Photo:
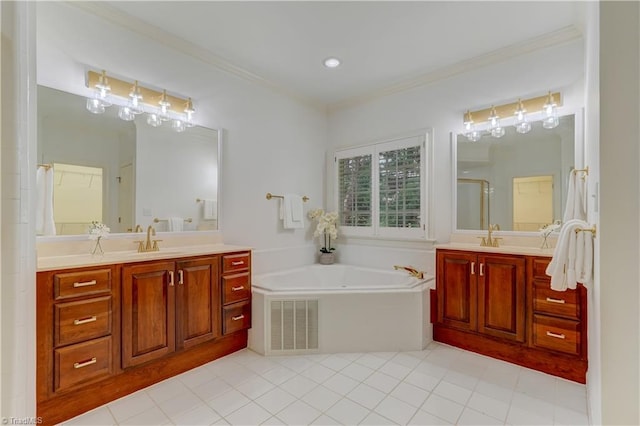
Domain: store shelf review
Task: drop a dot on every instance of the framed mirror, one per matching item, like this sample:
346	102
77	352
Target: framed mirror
125	174
518	181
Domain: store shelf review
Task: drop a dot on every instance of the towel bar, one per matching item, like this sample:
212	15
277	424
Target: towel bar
270	196
592	230
156	220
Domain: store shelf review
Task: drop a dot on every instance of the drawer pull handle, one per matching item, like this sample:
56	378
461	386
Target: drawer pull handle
553	300
85	320
556	335
240	287
238	318
85	363
238	263
85	283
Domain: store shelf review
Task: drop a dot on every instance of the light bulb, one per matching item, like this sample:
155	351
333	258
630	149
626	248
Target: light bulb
551	113
523	125
188	114
496	130
102	89
95	105
126	114
474	136
135	99
154	120
178	125
164	106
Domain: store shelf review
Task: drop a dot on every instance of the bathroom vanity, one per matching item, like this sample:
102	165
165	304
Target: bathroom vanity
111	325
499	303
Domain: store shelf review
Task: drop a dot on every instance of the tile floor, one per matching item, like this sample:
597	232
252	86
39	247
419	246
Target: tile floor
438	386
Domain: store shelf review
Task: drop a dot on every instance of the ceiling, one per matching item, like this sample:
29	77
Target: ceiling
382	45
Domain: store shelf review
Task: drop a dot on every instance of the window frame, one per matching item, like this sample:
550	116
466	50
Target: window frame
421	139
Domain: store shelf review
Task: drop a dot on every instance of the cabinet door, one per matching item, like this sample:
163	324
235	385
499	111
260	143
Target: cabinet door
198	296
456	289
501	296
148	312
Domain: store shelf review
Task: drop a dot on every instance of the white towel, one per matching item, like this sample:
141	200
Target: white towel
292	211
209	209
45	224
175	224
572	258
575	209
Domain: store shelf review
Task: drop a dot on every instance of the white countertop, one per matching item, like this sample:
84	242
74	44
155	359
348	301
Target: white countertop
526	250
52	263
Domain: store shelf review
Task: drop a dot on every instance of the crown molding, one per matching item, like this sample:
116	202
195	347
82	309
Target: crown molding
554	38
133	24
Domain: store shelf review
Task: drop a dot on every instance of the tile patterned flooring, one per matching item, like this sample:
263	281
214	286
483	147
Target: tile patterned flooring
440	385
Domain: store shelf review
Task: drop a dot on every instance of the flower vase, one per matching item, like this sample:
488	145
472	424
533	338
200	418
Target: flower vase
327	258
545	242
97	249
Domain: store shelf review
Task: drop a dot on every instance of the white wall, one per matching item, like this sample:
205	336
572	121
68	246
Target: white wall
619	211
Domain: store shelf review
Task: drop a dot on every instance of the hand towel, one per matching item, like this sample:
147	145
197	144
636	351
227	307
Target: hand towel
45	224
209	209
292	211
574	208
175	224
562	268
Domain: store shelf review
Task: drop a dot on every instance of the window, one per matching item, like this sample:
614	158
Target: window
380	189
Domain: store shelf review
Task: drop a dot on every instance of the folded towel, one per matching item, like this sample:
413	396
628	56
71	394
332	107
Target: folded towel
292	211
574	208
175	224
209	209
45	224
570	262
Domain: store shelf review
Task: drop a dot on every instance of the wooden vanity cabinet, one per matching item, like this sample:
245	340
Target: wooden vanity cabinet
236	292
501	305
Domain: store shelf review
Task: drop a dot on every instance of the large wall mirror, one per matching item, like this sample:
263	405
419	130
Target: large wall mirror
518	181
123	173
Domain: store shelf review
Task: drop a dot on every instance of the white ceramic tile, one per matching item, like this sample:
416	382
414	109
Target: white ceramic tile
211	389
235	376
351	356
250	414
453	392
341	384
571	395
244	356
179	404
152	417
261	365
428	367
279	375
506	379
335	362
197	376
298	385
130	405
536	384
275	400
424	418
221	365
99	416
564	416
325	420
472	417
384	355
518	416
534	405
228	402
382	382
316	357
165	390
395	370
489	406
371	361
410	394
298	413
297	364
318	373
321	398
443	408
347	412
495	391
273	421
200	415
255	387
422	380
366	395
376	419
220	422
406	360
463	380
396	410
357	371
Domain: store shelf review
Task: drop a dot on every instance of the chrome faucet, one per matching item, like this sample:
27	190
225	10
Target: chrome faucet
490	241
412	271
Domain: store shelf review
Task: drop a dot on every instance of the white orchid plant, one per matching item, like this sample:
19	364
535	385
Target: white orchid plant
326	228
98	230
548	229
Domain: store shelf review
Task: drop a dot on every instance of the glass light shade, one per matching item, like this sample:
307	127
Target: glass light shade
474	136
523	127
95	106
164	107
135	99
497	132
178	125
126	114
154	120
550	122
188	114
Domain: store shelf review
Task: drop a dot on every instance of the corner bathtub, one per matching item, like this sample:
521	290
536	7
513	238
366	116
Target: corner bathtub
339	308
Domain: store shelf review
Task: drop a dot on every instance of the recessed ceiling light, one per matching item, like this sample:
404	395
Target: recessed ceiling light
331	62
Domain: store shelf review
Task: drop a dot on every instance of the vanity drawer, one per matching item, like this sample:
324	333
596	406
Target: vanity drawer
561	303
556	334
235	262
539	268
73	284
236	288
82	362
81	320
236	317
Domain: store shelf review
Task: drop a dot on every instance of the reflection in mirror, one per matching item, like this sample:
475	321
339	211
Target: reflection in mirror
518	181
121	173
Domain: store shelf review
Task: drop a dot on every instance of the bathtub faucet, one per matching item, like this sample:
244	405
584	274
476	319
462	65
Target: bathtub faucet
412	271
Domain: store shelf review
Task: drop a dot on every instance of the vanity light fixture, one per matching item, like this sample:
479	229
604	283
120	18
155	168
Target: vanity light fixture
331	62
134	99
521	114
523	126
